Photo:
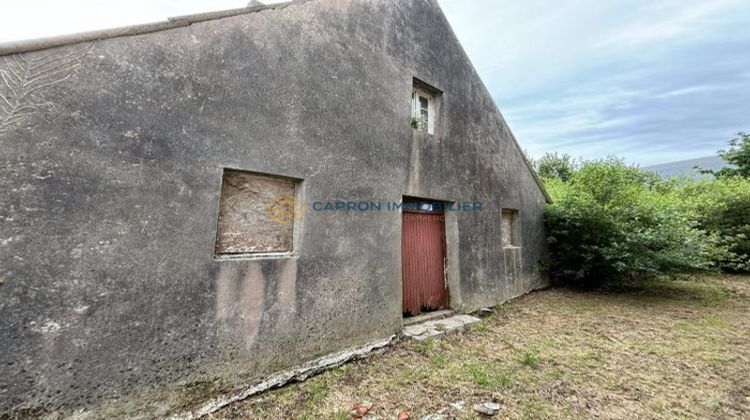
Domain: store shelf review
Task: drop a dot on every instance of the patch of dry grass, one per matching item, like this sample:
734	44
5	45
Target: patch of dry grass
669	348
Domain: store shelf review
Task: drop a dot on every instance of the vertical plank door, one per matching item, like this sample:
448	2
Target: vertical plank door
423	260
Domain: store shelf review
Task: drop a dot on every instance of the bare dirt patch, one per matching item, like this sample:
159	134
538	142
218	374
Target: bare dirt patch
667	348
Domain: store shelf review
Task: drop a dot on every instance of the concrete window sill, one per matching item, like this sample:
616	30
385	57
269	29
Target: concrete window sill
258	256
419	134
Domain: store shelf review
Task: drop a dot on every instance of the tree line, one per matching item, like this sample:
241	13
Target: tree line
611	221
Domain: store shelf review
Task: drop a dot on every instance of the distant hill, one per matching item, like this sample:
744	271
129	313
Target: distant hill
671	169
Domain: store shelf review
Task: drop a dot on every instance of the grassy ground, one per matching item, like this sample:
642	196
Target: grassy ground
665	349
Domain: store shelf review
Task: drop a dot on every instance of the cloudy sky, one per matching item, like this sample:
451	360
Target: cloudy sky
651	81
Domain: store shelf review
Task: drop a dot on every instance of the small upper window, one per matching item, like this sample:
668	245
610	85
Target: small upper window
422	111
426	107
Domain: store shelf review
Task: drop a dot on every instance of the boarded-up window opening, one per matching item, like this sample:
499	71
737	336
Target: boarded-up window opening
510	228
247	224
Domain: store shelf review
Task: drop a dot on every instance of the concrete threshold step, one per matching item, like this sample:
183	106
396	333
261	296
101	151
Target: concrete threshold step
438	327
428	316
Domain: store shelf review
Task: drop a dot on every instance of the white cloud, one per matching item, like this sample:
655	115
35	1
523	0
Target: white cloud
651	81
688	91
659	21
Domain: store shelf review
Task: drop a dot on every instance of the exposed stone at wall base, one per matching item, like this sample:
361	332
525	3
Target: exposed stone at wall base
296	374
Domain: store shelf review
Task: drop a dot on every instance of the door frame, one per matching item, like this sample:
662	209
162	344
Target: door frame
408	200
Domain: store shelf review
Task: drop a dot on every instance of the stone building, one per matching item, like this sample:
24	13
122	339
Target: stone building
193	205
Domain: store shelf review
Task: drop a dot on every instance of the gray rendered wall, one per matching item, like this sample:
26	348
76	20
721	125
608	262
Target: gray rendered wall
111	300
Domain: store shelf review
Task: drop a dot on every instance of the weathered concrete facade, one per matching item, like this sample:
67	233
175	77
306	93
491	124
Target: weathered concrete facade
111	299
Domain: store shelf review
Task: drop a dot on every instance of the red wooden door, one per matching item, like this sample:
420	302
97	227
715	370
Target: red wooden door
423	262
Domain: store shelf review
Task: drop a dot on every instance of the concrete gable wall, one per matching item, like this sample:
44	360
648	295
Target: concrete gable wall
111	300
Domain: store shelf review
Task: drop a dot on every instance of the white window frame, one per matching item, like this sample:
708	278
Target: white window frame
416	109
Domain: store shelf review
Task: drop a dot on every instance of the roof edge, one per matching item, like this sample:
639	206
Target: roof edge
28	45
526	160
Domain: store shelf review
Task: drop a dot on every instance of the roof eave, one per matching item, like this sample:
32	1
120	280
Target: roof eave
22	46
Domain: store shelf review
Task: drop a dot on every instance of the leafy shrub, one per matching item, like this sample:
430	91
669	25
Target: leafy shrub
738	156
554	166
722	209
610	220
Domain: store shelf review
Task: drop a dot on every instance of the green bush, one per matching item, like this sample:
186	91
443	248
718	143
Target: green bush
610	221
737	156
722	209
554	166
